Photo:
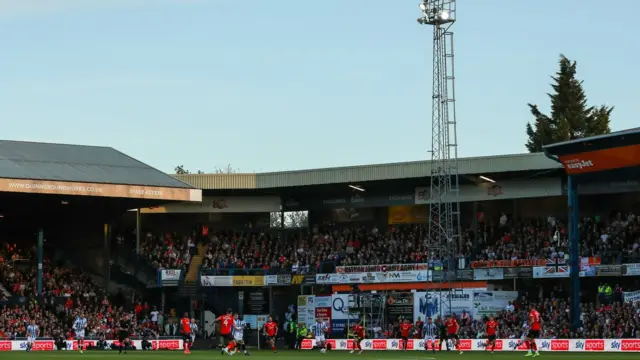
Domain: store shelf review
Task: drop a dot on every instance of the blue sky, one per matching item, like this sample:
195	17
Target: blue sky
282	84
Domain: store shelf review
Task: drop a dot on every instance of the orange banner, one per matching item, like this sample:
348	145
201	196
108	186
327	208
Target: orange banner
101	190
508	263
599	160
408	214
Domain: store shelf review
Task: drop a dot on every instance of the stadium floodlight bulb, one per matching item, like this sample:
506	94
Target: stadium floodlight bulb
423	7
444	15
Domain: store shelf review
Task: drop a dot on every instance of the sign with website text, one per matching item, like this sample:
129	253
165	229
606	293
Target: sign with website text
247	280
222	204
376	277
631	269
500	190
477	303
546	345
599	160
170	274
278	280
100	190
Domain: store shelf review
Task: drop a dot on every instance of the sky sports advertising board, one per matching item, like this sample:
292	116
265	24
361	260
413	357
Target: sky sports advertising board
49	345
553	345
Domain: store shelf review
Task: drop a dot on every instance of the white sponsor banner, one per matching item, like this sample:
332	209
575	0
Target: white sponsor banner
488	274
48	345
222	204
631	269
546	345
211	280
500	190
376	277
323	301
476	302
170	274
631	296
307	309
550	272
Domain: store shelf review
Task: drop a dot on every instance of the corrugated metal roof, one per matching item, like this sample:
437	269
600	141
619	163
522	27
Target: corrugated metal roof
219	181
78	163
357	174
415	169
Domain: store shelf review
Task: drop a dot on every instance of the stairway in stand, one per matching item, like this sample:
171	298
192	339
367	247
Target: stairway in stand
4	291
194	266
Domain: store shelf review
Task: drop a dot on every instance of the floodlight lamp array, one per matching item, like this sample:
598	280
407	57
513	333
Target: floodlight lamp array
433	15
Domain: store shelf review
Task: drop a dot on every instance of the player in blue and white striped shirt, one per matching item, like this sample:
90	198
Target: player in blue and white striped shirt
33	331
79	326
525	329
430	331
319	330
194	330
238	333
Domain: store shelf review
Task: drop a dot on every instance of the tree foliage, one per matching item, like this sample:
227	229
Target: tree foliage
571	117
292	219
181	170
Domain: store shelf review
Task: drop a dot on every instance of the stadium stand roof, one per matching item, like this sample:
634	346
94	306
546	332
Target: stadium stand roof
363	173
78	163
599	142
616	154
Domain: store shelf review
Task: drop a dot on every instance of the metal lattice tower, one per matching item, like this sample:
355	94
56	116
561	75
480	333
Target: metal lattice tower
444	205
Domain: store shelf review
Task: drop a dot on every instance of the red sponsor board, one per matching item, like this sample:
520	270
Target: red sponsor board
307	344
559	345
594	345
331	343
379	344
351	344
324	313
523	346
465	345
630	345
87	343
42	346
166	345
5	345
499	345
409	344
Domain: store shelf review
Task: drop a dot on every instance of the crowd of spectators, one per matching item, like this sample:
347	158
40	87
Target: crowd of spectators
66	293
501	239
168	250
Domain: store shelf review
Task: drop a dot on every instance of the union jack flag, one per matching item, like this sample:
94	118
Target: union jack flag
556	266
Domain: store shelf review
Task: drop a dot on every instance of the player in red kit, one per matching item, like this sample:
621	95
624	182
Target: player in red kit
185	330
534	332
226	328
405	331
271	330
491	327
358	336
452	331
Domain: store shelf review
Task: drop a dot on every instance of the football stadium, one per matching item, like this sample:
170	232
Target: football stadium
515	255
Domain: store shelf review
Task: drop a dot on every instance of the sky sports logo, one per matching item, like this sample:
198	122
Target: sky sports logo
577	164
